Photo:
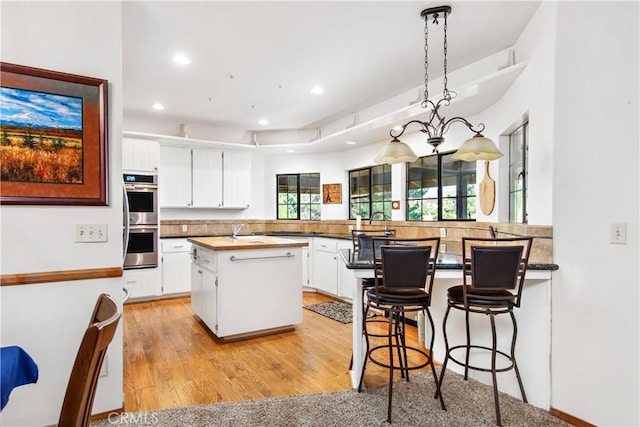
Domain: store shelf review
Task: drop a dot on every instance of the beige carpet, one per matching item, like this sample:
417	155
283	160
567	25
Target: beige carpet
469	403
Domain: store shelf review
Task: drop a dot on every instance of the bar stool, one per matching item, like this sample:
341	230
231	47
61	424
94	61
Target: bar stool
362	243
404	273
493	277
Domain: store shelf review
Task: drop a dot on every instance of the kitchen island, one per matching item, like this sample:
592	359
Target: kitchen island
247	286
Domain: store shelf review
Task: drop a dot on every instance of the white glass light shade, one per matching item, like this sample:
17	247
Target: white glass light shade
395	152
477	148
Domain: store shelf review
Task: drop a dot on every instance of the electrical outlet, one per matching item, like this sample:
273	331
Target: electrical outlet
443	248
618	233
184	228
443	232
90	233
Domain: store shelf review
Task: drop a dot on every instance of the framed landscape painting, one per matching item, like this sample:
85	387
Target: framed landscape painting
53	137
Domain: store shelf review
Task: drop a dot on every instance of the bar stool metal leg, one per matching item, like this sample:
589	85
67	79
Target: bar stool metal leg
494	354
513	356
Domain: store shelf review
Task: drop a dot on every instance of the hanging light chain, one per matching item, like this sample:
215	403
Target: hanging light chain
426	62
445	91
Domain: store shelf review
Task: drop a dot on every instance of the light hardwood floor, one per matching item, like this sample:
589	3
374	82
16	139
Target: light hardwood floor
172	360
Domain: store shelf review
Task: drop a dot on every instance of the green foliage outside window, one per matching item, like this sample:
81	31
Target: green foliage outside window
441	188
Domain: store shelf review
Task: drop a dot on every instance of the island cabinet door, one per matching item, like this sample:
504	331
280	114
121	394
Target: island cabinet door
259	290
196	289
209	300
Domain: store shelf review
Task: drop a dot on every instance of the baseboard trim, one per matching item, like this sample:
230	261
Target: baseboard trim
569	418
107	414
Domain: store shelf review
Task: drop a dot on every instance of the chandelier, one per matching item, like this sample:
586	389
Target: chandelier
475	148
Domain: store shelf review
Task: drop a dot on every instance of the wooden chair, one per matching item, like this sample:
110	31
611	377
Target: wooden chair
81	389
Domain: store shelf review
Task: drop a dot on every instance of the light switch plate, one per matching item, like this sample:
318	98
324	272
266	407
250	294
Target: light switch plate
91	233
618	233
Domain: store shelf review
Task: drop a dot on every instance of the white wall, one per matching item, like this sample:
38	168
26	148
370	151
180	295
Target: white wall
48	320
595	181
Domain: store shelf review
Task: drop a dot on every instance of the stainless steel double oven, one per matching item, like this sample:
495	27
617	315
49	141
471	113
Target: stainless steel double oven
140	221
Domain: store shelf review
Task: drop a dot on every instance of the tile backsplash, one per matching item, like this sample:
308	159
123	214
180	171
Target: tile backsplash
542	251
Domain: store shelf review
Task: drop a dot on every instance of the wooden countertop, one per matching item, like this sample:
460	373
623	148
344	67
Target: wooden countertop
245	242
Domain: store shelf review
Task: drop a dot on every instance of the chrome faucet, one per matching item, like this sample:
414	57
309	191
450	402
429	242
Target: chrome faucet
236	230
492	232
384	217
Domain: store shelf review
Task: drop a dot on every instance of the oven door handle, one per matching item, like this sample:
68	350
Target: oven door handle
142	227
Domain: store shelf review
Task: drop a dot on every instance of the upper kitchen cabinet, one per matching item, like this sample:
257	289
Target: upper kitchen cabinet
140	155
174	177
200	177
236	179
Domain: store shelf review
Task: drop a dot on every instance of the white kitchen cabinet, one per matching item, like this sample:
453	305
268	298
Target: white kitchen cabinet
236	179
140	155
176	266
207	178
201	177
204	295
174	176
196	289
346	279
325	265
143	283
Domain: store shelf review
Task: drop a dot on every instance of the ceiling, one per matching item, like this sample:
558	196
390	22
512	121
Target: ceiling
259	60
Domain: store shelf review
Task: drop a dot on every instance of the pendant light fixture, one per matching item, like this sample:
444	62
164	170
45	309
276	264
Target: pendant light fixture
476	148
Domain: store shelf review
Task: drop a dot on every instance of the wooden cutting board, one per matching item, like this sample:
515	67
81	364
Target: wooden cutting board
487	191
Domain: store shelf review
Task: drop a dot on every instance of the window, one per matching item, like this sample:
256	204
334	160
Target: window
298	196
370	191
441	188
518	175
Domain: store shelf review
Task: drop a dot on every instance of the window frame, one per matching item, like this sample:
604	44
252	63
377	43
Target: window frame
440	196
298	203
374	179
522	133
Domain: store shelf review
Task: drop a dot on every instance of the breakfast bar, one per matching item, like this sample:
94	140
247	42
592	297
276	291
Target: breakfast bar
534	325
247	285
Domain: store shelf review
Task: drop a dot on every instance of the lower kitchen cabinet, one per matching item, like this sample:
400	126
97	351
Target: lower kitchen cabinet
346	281
325	265
329	273
204	283
176	266
142	283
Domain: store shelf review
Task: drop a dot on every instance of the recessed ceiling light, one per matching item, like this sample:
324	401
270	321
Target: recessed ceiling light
398	128
181	59
317	90
263	122
350	142
158	106
291	151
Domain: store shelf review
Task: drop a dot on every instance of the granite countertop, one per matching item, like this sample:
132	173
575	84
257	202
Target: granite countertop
225	243
355	261
268	233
